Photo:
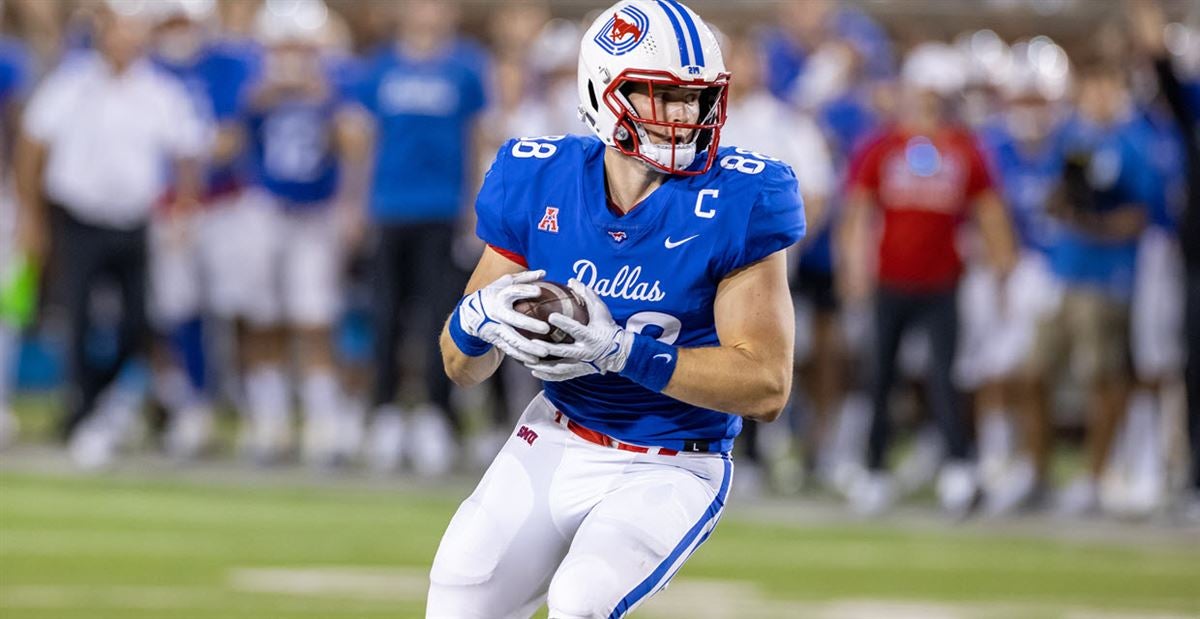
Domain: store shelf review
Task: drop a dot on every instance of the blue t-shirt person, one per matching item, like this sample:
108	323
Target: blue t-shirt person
1119	168
424	108
657	267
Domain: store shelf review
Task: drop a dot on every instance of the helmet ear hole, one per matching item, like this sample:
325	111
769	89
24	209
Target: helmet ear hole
592	95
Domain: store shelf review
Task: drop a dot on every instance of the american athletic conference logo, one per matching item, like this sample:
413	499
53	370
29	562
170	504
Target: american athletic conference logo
623	31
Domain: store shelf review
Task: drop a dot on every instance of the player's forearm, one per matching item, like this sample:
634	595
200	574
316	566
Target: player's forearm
187	186
996	228
228	143
27	169
465	370
733	380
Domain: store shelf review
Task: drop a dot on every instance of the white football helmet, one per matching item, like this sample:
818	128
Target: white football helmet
652	43
936	67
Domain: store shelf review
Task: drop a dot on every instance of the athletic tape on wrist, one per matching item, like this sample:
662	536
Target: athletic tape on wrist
651	363
470	345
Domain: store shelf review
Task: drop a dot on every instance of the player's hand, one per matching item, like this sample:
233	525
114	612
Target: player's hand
488	314
600	343
561	369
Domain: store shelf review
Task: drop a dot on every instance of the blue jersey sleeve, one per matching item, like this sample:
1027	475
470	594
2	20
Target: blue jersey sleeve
230	74
15	70
1137	183
776	220
493	216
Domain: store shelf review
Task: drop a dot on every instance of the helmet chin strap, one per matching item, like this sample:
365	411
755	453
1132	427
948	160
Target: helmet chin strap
684	154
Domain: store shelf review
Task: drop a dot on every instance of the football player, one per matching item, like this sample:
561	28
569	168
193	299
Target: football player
307	144
186	270
999	317
620	468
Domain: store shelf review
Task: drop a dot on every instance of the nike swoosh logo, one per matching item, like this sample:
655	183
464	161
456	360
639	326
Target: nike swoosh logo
669	244
665	357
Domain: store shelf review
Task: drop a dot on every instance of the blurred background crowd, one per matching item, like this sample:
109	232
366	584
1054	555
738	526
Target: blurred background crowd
233	228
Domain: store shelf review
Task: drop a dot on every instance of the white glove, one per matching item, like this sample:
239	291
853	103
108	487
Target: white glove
488	314
600	345
560	370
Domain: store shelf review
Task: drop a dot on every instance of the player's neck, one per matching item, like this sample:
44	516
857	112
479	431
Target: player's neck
628	180
922	124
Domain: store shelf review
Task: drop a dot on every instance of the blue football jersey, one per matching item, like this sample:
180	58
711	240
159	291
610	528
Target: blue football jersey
216	79
1119	168
1028	179
657	267
291	145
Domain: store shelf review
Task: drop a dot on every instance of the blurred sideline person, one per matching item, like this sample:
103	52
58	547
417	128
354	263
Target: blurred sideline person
1100	204
1183	100
807	45
925	175
189	271
1000	316
95	137
620	469
306	143
424	91
16	269
832	79
759	122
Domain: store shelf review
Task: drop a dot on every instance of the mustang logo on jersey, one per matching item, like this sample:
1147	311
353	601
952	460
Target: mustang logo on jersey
624	285
549	222
623	31
618	235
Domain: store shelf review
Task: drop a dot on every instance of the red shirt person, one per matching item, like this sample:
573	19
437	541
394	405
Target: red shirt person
916	182
924	186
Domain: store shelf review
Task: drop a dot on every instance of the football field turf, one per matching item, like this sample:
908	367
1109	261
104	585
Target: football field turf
232	544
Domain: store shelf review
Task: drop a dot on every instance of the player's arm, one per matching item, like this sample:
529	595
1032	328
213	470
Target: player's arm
188	175
479	332
353	137
1124	223
853	243
28	165
750	373
996	229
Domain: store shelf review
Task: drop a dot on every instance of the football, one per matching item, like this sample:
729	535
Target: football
554	298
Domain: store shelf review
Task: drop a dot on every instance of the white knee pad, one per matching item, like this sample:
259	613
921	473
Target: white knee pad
623	542
478	538
583	588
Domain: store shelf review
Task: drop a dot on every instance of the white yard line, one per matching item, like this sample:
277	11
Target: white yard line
352	581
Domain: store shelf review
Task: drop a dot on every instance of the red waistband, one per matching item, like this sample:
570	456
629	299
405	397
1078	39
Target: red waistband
604	440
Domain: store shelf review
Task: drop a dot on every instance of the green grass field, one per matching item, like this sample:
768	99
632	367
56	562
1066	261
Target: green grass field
170	544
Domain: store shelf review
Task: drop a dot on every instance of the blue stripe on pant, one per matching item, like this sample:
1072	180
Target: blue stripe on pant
659	577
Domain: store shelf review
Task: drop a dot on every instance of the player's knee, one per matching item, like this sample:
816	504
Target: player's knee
482	532
583	587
